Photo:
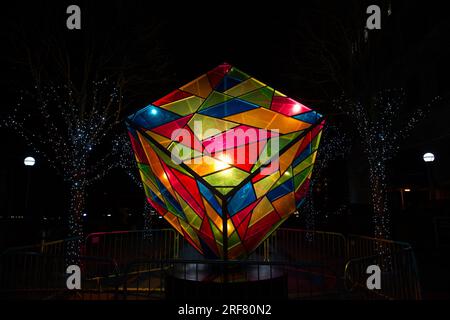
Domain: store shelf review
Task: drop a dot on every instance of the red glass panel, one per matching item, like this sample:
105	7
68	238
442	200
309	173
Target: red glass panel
172	97
167	129
288	106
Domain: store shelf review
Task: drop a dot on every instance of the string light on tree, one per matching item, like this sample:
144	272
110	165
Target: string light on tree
381	127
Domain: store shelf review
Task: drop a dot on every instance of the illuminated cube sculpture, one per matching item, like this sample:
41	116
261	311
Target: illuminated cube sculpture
225	159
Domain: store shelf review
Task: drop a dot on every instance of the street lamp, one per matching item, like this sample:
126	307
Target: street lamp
429	158
29	162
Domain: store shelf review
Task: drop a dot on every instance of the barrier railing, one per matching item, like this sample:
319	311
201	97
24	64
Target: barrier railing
332	258
399	276
31	275
126	246
219	280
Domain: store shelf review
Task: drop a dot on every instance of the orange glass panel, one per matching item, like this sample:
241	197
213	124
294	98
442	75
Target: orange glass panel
155	164
200	87
206	165
269	120
261	210
287	157
212	214
285	205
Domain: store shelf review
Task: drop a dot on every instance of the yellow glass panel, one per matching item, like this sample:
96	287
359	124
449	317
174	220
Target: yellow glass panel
287	157
244	87
173	220
191	232
200	87
262	186
206	165
279	94
165	142
150	184
269	120
305	163
183	152
212	214
260	211
227	178
193	219
285	205
156	166
184	106
230	227
205	127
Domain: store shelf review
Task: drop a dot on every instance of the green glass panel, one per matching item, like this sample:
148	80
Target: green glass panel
261	97
147	172
305	164
233	239
245	87
238	74
300	178
183	152
316	141
285	177
185	106
262	186
217	234
227	178
224	191
288	138
215	98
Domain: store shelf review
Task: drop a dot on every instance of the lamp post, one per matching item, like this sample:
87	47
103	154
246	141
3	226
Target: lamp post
429	159
29	162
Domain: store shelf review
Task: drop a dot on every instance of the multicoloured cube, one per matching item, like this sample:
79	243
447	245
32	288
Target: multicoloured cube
225	159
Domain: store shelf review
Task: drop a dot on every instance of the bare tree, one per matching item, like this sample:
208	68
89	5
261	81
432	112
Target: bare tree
73	105
340	59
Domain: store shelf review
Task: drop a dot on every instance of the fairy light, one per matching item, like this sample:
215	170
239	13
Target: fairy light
65	129
381	130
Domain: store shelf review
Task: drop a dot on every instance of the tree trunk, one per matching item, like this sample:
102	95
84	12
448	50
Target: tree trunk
76	208
378	186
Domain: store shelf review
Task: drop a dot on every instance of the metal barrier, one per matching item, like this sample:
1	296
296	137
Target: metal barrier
54	248
31	275
311	260
127	246
399	276
219	280
361	246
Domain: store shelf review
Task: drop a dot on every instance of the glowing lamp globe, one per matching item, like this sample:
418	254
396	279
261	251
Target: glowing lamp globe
225	159
29	161
428	157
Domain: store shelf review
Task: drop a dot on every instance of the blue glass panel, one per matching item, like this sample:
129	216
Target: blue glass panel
227	83
282	190
155	198
169	198
302	156
152	117
309	117
243	198
209	196
228	108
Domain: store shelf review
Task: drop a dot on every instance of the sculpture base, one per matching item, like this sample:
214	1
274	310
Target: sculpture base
225	282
